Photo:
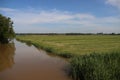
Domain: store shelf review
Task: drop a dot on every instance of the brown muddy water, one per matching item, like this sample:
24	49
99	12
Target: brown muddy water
19	61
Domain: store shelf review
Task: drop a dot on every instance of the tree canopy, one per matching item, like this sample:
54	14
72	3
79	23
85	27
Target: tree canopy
6	29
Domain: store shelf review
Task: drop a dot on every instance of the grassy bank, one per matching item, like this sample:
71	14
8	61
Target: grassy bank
48	48
93	57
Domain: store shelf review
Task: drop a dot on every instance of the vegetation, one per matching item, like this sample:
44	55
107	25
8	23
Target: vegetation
96	67
6	29
93	57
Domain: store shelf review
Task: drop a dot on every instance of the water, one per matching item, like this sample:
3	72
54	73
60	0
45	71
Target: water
19	61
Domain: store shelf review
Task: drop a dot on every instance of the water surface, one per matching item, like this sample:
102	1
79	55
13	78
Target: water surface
19	61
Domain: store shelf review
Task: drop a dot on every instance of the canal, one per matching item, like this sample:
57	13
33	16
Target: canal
19	61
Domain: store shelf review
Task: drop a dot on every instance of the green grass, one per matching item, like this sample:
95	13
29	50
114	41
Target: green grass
74	45
93	57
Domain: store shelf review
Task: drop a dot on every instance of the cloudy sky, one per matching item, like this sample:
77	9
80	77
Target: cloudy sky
62	16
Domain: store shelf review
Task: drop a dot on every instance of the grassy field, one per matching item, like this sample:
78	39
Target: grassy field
74	45
93	57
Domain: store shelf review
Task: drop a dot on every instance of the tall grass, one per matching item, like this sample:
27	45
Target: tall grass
96	66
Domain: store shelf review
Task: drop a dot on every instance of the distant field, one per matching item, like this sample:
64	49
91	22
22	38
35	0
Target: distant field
79	44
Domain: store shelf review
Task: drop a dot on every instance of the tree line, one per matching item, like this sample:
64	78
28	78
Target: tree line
67	33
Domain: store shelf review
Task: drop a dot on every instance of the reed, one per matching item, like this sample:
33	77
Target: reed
95	66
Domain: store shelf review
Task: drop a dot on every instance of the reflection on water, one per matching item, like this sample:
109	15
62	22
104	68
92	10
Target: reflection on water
30	63
7	52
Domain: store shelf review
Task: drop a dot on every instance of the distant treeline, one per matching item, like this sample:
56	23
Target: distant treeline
67	33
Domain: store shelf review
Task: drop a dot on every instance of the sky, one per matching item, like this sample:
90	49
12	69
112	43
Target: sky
63	16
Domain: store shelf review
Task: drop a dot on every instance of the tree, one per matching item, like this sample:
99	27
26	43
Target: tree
6	29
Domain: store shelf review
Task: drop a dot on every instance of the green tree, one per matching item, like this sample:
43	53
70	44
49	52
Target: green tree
6	29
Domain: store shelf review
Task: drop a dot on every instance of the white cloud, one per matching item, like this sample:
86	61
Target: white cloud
115	3
61	20
84	16
52	16
7	9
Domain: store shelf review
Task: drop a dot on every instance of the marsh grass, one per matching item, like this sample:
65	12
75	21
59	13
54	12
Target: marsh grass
95	66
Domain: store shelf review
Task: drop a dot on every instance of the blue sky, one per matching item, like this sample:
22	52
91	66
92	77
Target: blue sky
41	16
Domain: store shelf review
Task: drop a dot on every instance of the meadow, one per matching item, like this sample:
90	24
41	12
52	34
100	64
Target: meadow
74	45
92	57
